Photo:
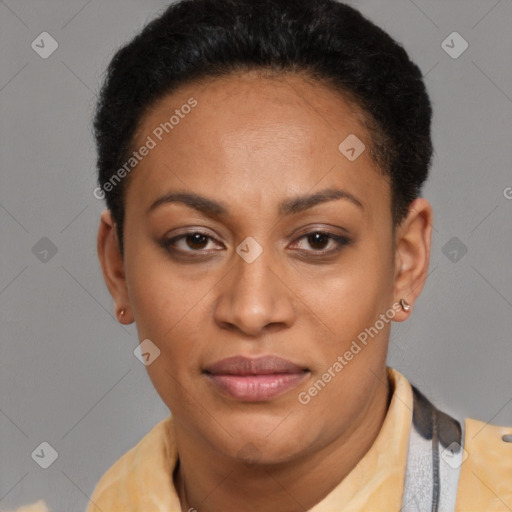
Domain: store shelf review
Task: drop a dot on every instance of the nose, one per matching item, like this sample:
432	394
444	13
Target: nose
254	298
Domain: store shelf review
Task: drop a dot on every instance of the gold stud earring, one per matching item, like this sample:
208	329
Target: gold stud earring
405	305
121	314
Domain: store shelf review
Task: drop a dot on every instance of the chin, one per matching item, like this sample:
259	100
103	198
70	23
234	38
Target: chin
264	447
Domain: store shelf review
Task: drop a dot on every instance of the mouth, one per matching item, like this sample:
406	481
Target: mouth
255	379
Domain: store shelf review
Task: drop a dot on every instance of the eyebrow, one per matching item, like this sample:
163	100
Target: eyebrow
287	207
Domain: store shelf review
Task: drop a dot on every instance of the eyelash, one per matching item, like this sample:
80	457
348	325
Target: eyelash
340	240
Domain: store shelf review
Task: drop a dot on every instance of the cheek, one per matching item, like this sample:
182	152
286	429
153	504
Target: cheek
170	310
340	392
158	296
171	314
350	303
355	294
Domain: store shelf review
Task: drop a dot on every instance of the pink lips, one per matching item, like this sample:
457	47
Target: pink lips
255	380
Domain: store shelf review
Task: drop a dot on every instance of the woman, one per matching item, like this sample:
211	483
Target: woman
262	163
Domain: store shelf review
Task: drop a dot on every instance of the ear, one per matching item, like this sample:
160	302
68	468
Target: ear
412	254
112	266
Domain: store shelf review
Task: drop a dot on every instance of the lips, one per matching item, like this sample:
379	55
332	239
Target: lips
255	379
266	365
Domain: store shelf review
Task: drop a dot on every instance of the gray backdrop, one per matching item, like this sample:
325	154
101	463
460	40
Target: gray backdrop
68	375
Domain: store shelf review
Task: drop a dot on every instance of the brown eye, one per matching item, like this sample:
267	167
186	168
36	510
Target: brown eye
318	240
196	241
193	243
318	243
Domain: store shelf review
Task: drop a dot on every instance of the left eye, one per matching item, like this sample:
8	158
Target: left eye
318	240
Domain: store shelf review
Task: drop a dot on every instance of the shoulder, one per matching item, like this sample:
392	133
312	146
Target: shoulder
485	481
127	485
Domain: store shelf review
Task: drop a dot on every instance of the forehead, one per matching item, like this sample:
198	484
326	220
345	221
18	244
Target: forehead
254	136
245	105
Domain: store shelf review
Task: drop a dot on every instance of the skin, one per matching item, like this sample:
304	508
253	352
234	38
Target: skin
252	142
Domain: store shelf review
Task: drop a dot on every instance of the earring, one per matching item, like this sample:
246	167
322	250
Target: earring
121	314
405	305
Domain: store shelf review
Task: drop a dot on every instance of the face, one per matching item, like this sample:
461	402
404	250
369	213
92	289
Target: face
256	253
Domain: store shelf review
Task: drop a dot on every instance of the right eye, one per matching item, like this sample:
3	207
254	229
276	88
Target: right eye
191	242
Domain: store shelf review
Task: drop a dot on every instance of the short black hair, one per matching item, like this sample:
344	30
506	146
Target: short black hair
329	41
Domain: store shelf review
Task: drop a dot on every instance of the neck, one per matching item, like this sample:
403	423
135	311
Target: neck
208	482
